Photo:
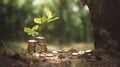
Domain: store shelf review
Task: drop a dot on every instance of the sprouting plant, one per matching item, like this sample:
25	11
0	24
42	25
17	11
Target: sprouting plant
41	22
31	31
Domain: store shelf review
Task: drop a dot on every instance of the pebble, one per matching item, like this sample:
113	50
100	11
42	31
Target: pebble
49	55
87	51
55	52
81	52
74	54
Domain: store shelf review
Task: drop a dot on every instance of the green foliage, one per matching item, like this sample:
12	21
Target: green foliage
53	18
42	21
32	31
73	26
13	18
48	13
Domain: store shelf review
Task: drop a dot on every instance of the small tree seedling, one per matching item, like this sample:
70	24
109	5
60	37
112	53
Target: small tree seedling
41	22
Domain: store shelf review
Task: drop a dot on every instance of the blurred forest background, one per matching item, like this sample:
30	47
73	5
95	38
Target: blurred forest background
73	26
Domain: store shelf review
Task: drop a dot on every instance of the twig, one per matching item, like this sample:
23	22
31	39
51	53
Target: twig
3	43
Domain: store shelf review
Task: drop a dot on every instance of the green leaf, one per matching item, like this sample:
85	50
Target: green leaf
53	15
44	19
29	33
48	12
27	30
53	19
35	33
35	27
38	20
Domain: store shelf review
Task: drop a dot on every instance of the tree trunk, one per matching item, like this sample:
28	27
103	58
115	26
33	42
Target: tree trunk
105	16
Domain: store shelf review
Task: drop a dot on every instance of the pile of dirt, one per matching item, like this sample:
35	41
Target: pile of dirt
68	58
61	59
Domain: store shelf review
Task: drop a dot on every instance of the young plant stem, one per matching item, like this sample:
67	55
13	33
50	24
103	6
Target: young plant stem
42	27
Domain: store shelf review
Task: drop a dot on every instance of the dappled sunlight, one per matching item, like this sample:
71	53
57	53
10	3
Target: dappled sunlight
60	44
69	54
36	2
77	46
22	46
86	8
83	46
59	33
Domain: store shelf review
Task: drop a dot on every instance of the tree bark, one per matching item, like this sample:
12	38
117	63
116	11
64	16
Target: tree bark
105	17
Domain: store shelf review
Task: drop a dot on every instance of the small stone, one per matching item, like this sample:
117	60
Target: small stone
55	52
49	55
88	51
74	54
81	52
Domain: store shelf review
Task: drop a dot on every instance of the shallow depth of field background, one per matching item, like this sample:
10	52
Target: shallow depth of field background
72	30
